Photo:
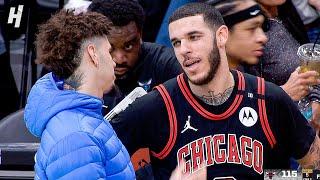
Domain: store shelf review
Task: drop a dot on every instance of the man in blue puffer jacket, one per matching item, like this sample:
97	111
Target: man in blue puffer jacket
64	107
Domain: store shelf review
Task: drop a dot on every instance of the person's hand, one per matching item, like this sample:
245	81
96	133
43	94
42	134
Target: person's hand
297	87
315	122
315	3
178	174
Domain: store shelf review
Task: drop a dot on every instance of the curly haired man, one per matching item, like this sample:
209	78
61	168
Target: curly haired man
64	106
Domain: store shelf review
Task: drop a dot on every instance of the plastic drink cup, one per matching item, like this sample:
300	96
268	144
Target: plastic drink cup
309	55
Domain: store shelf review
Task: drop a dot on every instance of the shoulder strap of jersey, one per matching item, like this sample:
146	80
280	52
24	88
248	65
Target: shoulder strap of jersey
263	114
172	123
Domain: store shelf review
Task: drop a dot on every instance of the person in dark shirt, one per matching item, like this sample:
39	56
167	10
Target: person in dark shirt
236	124
278	61
137	63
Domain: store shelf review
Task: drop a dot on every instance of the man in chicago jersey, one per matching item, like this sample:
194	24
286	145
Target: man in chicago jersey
236	124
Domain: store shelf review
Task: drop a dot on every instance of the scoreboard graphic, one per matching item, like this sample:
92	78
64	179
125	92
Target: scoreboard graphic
288	174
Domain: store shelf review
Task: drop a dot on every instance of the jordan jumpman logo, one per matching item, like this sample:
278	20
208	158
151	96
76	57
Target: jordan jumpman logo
188	126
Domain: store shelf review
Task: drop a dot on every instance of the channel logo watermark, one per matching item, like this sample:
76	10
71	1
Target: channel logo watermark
15	15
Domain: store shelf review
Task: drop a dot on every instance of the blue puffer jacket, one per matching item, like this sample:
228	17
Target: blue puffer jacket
76	143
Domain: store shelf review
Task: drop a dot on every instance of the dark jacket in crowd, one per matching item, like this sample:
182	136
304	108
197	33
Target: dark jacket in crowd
292	21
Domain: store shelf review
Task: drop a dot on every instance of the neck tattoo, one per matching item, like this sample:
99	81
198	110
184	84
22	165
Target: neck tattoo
68	87
216	99
73	82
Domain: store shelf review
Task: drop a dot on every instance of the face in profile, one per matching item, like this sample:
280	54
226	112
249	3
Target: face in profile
250	37
195	47
126	43
106	65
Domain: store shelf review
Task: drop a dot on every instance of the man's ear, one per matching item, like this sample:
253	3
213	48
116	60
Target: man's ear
222	36
93	54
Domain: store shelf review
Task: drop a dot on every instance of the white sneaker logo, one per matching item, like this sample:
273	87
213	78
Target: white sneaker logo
248	116
253	13
188	126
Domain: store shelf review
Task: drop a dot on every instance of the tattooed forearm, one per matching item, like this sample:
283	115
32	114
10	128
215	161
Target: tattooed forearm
312	159
216	99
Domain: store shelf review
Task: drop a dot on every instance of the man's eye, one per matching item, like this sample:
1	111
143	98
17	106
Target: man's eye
128	47
252	29
176	43
194	38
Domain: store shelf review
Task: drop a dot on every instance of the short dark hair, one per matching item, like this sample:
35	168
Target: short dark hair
211	16
120	12
225	7
59	40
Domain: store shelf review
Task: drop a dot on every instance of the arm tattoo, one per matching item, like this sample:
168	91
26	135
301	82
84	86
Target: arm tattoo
73	82
216	99
312	159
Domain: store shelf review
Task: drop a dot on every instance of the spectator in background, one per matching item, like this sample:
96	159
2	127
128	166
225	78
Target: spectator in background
64	107
309	11
154	13
245	31
138	63
279	60
285	11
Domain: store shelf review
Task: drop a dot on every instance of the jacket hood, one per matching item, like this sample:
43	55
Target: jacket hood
47	98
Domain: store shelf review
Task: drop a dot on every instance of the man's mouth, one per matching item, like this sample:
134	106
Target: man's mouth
190	61
258	52
120	70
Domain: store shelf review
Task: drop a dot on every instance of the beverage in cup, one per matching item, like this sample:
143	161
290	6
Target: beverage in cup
309	55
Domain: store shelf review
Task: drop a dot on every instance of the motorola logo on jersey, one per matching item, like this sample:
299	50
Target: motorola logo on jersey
248	116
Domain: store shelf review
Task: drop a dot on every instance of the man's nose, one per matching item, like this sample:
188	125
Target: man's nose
118	56
185	47
262	37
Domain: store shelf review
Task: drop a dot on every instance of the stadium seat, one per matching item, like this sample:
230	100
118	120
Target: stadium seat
17	147
13	129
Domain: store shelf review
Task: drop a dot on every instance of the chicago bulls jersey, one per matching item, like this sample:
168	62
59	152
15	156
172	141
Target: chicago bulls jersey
231	140
258	127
